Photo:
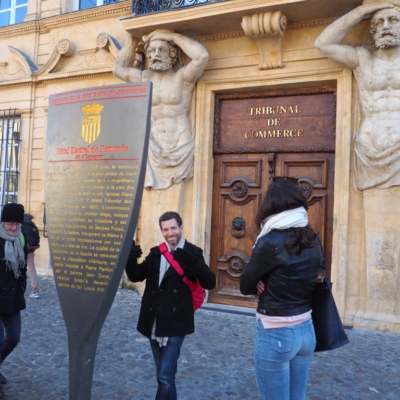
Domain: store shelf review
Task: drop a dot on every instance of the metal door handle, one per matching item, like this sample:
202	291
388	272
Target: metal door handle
238	224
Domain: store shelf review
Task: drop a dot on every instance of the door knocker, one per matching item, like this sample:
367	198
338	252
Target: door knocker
238	224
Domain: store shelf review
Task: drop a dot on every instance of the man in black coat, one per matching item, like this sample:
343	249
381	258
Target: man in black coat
166	313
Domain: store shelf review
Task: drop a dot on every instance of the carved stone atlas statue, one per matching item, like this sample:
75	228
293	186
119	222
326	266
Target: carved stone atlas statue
171	148
377	144
377	154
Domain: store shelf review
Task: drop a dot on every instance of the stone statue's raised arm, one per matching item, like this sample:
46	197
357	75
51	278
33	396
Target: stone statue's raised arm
123	65
329	40
193	49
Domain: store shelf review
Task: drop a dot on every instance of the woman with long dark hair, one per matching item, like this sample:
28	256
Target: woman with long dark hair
283	270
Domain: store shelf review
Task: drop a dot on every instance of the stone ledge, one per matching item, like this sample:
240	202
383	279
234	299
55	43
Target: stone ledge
226	16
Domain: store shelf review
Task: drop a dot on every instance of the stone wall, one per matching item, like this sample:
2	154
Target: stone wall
234	59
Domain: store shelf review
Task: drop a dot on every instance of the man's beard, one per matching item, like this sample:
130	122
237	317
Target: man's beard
384	41
160	65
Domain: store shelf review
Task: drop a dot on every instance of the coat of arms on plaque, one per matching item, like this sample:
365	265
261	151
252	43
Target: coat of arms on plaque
91	122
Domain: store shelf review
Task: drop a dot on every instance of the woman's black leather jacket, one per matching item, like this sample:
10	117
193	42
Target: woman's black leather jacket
289	279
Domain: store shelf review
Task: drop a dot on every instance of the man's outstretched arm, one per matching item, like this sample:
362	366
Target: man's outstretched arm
123	65
329	40
193	49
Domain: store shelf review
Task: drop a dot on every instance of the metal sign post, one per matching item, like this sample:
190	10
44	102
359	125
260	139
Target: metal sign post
96	153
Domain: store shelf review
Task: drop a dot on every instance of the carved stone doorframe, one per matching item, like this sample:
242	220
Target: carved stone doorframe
202	184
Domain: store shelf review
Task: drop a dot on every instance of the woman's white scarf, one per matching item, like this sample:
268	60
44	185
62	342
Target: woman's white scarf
14	256
296	218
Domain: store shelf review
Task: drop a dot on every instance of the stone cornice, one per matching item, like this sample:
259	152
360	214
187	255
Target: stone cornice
309	24
79	76
50	80
25	112
291	25
19	29
223	36
214	18
122	8
14	84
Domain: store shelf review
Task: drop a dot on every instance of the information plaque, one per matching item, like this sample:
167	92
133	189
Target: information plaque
96	153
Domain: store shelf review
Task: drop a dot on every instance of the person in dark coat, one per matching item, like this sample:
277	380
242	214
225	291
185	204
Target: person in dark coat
12	280
166	314
283	271
31	233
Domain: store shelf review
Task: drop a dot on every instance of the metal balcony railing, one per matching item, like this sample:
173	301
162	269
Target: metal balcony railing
141	7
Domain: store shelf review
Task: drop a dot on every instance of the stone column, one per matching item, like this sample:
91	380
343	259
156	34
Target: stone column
382	239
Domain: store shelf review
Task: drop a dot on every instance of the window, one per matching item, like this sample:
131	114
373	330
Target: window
10	131
12	11
84	4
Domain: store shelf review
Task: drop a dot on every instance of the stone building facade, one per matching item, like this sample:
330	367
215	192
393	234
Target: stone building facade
269	103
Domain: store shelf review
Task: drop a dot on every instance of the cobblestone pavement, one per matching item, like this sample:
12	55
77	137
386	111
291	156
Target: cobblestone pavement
216	362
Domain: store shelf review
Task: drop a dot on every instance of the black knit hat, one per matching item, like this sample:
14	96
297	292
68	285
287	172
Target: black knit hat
12	212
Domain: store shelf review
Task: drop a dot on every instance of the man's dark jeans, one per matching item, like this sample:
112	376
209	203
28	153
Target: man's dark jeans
166	359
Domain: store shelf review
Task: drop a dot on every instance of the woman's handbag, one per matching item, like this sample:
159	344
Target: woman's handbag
329	330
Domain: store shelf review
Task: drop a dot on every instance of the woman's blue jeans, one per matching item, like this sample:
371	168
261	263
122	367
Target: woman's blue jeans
282	358
10	333
166	359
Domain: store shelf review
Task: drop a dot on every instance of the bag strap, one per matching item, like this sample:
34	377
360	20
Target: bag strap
22	239
165	252
323	262
175	265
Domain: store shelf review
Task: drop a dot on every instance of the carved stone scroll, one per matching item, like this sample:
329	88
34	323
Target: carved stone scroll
66	57
64	48
107	42
27	64
266	29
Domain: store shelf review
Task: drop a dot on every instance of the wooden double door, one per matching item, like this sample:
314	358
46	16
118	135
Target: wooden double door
240	183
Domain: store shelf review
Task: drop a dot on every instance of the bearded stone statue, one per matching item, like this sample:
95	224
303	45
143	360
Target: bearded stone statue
377	144
171	147
377	155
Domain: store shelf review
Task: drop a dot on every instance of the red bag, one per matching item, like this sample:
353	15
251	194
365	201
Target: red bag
198	293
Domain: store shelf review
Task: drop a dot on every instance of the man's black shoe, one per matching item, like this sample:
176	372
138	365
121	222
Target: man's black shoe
3	379
2	394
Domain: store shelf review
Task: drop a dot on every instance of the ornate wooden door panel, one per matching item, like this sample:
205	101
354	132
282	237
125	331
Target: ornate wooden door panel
239	183
258	136
316	173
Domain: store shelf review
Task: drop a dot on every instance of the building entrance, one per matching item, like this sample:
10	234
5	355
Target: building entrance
258	137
